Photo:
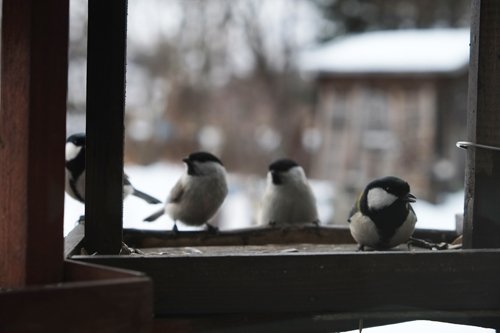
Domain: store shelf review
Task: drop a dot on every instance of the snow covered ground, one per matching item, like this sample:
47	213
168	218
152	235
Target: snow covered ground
240	207
425	326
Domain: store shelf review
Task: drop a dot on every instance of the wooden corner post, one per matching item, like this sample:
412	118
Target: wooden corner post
32	136
106	55
482	195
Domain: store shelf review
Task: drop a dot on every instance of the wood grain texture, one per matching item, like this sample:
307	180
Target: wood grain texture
105	106
260	236
32	136
482	211
73	242
450	281
313	323
119	303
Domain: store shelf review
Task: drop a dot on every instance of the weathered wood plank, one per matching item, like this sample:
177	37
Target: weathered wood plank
32	135
79	271
106	57
260	236
74	240
327	282
119	303
316	323
482	211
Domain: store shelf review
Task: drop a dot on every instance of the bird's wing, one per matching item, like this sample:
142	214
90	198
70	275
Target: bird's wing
354	208
176	192
353	211
126	181
411	209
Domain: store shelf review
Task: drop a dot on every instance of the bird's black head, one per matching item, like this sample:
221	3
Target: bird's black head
78	139
75	154
199	157
392	185
385	192
280	166
202	156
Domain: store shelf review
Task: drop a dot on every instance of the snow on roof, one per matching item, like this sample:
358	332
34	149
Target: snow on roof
395	51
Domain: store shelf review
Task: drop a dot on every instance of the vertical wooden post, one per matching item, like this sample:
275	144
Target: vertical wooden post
106	56
32	136
482	197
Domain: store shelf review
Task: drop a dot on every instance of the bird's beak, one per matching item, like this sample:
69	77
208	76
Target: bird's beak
410	198
185	160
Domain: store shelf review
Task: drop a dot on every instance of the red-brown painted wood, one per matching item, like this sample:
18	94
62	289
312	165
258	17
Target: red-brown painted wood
32	136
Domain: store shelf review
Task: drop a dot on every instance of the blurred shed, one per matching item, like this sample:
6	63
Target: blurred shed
392	102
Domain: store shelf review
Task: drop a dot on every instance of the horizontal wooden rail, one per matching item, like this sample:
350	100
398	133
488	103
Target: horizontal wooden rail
340	282
261	235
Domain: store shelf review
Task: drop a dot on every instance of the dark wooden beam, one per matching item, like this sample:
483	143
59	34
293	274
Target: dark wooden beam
91	299
482	211
32	136
339	282
106	55
314	322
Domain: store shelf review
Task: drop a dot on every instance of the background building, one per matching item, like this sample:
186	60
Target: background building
391	103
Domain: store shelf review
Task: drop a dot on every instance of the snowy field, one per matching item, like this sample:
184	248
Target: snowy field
240	207
426	326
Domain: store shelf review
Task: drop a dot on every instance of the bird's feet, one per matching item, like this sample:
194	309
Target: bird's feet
426	244
126	250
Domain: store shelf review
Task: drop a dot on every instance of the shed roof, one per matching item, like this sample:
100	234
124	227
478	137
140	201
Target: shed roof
391	52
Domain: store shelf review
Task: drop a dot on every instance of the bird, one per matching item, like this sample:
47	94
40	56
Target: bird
198	194
288	198
383	217
75	172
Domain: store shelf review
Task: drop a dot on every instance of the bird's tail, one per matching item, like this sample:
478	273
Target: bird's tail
145	197
155	215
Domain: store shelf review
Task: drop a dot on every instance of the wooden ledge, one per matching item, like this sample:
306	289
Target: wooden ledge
394	281
91	299
310	234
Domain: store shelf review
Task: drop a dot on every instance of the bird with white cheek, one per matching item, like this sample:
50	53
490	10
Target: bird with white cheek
382	217
198	194
75	172
288	198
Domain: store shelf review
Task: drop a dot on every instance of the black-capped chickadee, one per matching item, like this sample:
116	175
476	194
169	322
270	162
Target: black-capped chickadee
199	192
382	217
75	172
288	198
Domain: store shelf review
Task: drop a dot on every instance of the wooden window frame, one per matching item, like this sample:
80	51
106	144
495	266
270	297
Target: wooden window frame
327	291
39	290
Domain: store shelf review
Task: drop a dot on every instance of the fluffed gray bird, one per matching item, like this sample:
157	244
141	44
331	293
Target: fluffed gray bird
199	192
288	198
382	217
75	172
